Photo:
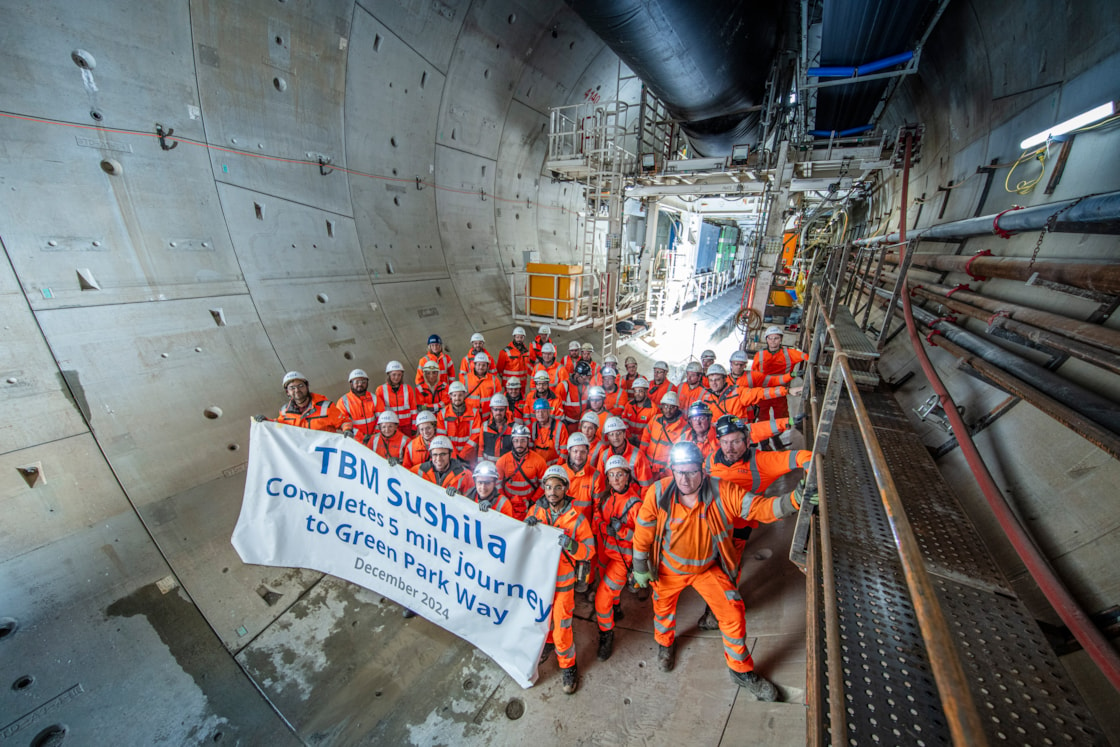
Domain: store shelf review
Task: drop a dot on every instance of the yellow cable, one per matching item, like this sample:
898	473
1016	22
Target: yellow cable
1026	187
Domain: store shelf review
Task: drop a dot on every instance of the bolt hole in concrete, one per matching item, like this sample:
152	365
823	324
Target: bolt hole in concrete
83	59
212	413
233	447
377	694
22	683
468	684
348	355
515	709
321	298
280	84
52	736
112	167
393	142
8	626
217	736
626	701
95	115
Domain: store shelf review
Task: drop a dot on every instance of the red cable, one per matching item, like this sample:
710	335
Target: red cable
968	264
1079	623
960	286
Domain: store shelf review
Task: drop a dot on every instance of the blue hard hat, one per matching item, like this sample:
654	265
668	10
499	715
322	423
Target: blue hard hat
435	340
541	404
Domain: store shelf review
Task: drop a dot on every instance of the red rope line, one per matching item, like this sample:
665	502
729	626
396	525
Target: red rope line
995	222
968	264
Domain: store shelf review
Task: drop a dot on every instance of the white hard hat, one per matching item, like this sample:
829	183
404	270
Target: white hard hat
440	442
544	329
578	439
670	398
520	431
613	424
541	375
739	357
425	416
499	400
388	417
457	386
293	376
596	392
486	471
518	331
573	345
660	364
717	370
587	346
617	462
708	354
609	371
694	367
514	381
548	347
477	337
481	358
558	472
589	417
430	365
640	383
358	373
610	358
773	331
393	366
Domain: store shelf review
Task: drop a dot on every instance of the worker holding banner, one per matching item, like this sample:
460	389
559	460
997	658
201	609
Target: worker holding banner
578	544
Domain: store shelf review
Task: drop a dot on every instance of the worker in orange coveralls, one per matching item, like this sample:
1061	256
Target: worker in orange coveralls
683	538
614	530
358	405
306	409
776	359
486	492
578	543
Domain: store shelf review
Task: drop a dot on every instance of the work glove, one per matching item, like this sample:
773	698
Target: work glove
259	418
349	433
615	526
568	543
531	521
451	490
484	505
642	578
393	461
803	491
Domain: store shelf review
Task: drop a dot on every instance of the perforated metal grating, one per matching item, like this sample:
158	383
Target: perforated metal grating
853	340
1018	684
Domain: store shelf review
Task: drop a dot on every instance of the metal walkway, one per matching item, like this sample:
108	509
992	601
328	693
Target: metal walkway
870	676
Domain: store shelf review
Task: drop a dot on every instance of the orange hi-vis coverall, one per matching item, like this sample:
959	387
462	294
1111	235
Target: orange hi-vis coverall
498	502
637	416
750	404
513	361
360	411
751	379
548	440
615	549
693	547
457	476
640	470
569	520
479	391
556	372
687	393
616	401
776	364
537	343
657	391
457	427
521	479
573	399
415	454
402	400
658	437
317	415
489	443
446	368
707	444
467	365
583	486
432	397
386	447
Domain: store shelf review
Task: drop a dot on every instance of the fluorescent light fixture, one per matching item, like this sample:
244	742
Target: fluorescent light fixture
1095	114
739	154
648	162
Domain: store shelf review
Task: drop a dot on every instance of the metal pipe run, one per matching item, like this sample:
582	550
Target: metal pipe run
1093	214
1088	353
1100	276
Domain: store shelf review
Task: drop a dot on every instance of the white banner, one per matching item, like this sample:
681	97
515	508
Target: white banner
318	500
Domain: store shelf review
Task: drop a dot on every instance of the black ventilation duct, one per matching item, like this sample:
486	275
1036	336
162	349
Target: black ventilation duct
708	61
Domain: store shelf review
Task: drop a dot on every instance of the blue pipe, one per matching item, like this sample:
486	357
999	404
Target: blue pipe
841	133
855	72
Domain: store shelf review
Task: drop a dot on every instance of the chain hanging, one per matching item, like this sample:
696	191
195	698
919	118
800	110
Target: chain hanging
1046	228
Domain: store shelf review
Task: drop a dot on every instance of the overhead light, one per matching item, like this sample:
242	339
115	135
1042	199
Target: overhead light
648	162
1095	114
739	154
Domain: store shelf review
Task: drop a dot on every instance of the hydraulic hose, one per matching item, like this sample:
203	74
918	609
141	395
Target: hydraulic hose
1079	623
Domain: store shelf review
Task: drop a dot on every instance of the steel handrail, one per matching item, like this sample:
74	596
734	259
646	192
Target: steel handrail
952	685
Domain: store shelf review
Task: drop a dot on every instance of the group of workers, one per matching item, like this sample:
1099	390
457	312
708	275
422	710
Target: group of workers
651	484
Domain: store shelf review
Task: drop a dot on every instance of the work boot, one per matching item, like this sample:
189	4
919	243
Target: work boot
618	613
606	644
549	650
755	684
406	613
708	620
571	679
667	656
